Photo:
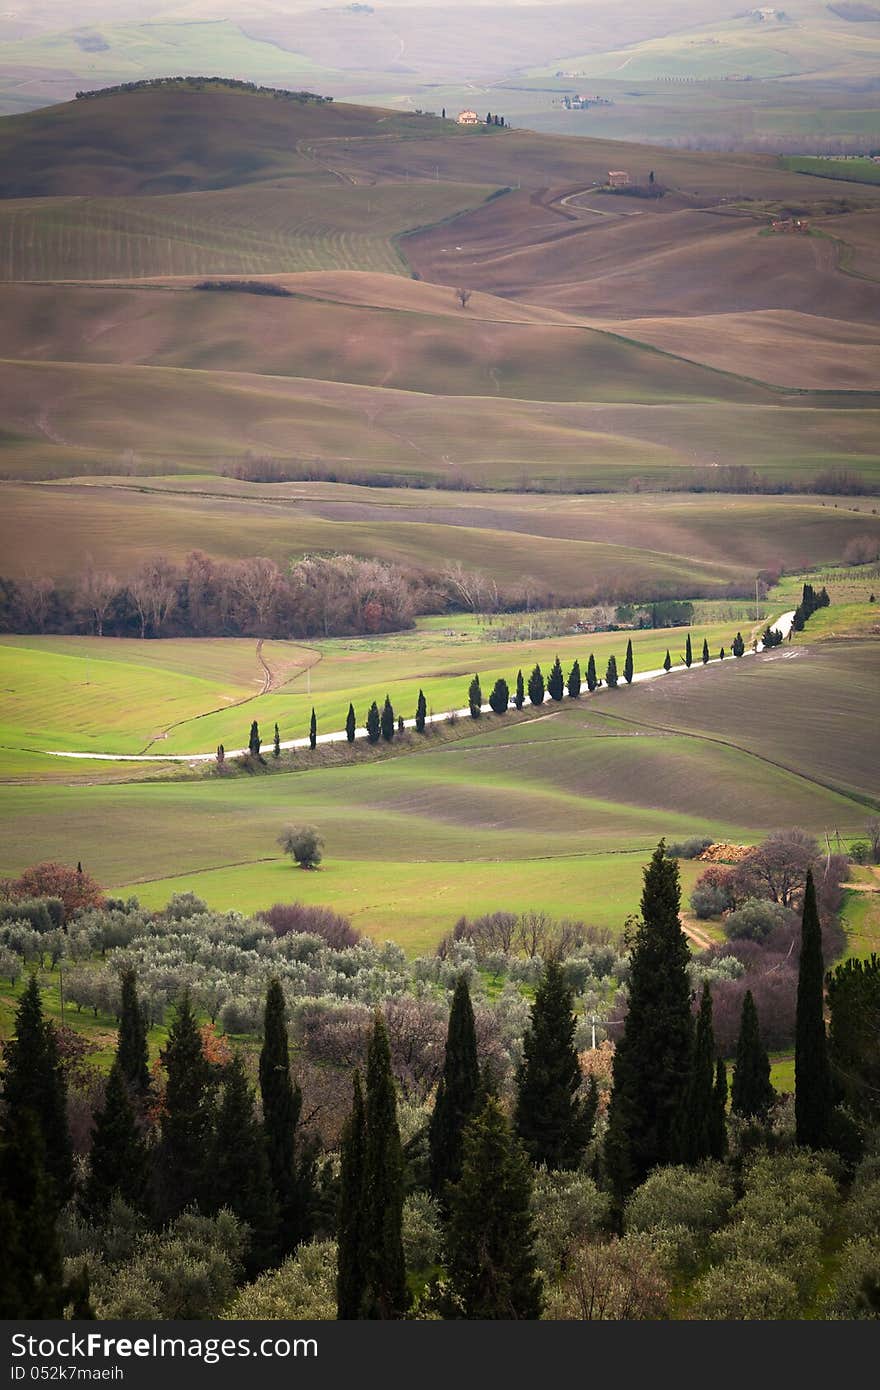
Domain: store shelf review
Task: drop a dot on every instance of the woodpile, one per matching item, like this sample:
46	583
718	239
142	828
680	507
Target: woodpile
722	853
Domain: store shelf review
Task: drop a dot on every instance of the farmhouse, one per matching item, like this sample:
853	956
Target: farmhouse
618	178
789	225
468	118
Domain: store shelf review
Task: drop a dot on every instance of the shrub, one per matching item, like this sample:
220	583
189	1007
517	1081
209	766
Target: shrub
756	919
332	927
687	849
422	1232
698	1198
567	1209
854	1292
51	880
188	1270
182	906
745	1290
303	844
862	1212
612	1281
709	900
302	1289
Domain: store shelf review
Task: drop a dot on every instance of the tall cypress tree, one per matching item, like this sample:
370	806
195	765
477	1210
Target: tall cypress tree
118	1157
536	686
611	672
696	1118
313	729
421	712
592	678
254	741
276	743
34	1080
385	1291
574	682
351	1278
387	720
475	698
291	1173
31	1282
628	663
705	651
652	1059
240	1167
490	1236
667	661
519	698
456	1093
720	653
183	1155
738	646
350	724
812	1079
500	697
374	723
550	1117
688	652
556	681
718	1126
752	1095
132	1052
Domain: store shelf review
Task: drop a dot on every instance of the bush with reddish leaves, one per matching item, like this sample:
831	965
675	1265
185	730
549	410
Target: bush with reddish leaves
331	927
75	888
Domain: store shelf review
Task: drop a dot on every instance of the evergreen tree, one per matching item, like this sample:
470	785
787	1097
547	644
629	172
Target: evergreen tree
118	1157
718	1129
536	686
628	663
751	1093
592	679
854	1034
313	730
350	724
421	712
254	741
276	744
519	698
697	1115
556	681
183	1155
573	684
652	1059
705	651
33	1080
374	723
400	725
738	647
31	1279
490	1237
385	1291
550	1117
386	722
132	1052
812	1080
291	1173
456	1093
350	1278
667	661
475	698
688	652
611	672
721	654
240	1167
500	697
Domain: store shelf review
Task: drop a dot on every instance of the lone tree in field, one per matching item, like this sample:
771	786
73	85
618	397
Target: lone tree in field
611	672
550	1116
751	1095
132	1053
812	1077
667	661
475	698
33	1080
688	652
738	646
276	744
628	663
556	681
696	1119
573	684
254	741
457	1093
592	679
350	724
536	686
374	723
500	697
313	730
421	712
385	1292
705	651
386	721
519	698
290	1171
652	1059
490	1238
463	297
350	1277
303	844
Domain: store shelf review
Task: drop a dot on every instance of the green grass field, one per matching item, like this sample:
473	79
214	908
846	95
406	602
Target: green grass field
856	170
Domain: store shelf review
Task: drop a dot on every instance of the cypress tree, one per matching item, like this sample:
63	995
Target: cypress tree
652	1059
456	1093
573	683
276	744
374	723
854	1034
721	654
490	1237
812	1080
33	1080
313	730
131	1048
556	681
536	686
183	1156
31	1279
254	741
738	647
667	661
500	697
519	698
705	651
350	1278
385	1291
752	1095
697	1114
421	712
291	1174
611	672
118	1158
475	698
350	724
718	1127
386	722
628	663
592	679
400	725
688	652
240	1167
550	1118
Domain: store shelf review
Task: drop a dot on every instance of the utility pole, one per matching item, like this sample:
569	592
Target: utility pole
757	617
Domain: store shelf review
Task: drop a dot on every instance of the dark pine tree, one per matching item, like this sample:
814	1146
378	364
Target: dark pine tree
386	721
350	724
132	1053
475	698
456	1093
592	678
721	654
854	1034
667	661
536	686
385	1291
276	744
313	730
697	1112
751	1093
628	667
573	684
350	1278
718	1128
118	1157
550	1116
652	1059
812	1078
33	1080
291	1173
254	741
500	697
490	1236
31	1279
705	652
183	1157
738	647
688	652
240	1168
611	672
556	681
519	698
374	723
421	712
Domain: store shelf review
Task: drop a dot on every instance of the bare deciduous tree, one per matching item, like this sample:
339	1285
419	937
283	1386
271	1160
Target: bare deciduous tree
258	580
95	594
463	296
153	591
34	597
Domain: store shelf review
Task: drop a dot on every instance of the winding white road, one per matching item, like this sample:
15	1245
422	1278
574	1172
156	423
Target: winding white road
782	624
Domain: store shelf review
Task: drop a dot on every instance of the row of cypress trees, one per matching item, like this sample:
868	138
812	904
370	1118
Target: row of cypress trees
379	724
